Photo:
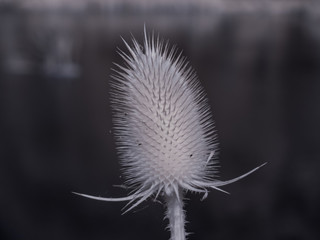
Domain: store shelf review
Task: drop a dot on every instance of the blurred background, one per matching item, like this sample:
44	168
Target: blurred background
259	62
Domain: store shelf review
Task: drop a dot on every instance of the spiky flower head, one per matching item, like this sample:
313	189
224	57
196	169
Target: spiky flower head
164	129
163	124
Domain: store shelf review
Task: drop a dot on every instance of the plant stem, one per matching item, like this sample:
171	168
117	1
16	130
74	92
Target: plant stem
176	215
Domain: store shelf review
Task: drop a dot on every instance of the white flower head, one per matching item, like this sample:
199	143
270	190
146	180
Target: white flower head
163	125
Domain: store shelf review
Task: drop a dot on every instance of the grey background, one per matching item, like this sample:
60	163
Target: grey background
260	67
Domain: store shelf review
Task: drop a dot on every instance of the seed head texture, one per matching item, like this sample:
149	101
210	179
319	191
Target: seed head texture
163	125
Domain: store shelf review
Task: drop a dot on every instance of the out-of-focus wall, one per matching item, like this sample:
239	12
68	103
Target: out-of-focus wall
224	5
259	62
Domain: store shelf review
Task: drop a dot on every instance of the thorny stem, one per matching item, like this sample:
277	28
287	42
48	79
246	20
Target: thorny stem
175	214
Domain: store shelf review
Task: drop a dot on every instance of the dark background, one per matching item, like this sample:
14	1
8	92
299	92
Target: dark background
260	69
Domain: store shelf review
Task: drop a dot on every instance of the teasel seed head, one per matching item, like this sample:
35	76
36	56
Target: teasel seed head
162	121
164	130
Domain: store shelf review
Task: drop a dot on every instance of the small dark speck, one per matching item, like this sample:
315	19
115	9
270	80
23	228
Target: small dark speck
191	155
139	144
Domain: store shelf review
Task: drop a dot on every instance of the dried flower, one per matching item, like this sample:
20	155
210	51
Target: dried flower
164	130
